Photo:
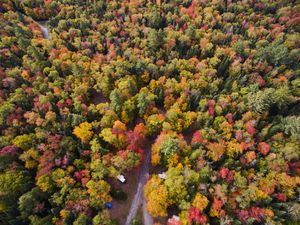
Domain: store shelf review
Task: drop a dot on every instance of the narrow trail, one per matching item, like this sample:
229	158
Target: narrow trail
41	24
44	29
147	218
139	196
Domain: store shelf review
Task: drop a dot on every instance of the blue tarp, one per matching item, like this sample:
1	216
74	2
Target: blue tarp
108	205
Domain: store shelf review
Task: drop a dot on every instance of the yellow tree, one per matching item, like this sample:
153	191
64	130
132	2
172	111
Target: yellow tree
99	192
115	135
216	150
156	194
158	201
84	132
200	202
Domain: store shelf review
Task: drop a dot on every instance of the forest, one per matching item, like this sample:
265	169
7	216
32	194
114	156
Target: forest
195	102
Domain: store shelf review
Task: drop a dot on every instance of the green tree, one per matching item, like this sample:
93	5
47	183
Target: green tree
274	53
175	183
82	219
29	200
12	185
260	101
116	101
24	141
144	99
155	20
102	218
154	124
5	109
155	40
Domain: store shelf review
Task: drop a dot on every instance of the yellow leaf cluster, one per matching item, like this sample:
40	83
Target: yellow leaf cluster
216	150
288	183
83	132
31	158
234	148
25	75
213	212
261	195
44	183
63	213
200	202
158	201
173	160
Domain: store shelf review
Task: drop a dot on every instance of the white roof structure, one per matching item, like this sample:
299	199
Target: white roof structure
121	178
162	175
175	218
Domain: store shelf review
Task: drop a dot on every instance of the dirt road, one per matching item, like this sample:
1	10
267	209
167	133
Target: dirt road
139	196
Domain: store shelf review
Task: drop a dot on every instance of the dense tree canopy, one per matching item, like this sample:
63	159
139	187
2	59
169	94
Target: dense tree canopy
214	84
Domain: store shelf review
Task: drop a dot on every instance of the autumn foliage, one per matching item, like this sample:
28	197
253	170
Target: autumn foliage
208	89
